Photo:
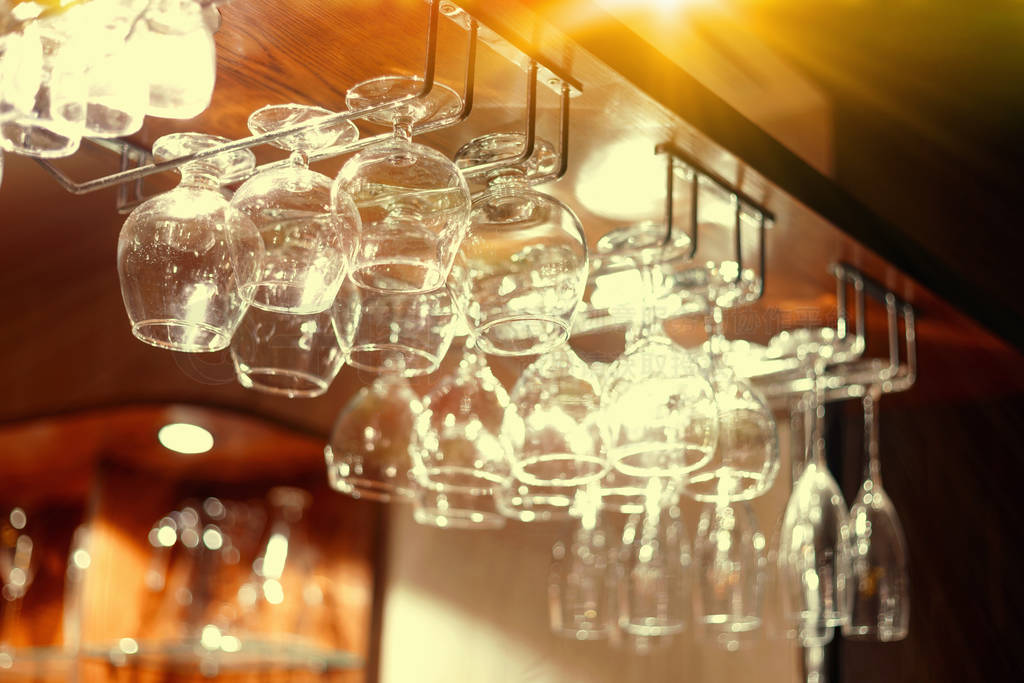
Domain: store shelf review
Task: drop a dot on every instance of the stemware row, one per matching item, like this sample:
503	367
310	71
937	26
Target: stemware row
98	68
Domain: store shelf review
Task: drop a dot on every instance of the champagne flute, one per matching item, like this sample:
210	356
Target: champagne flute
814	554
880	582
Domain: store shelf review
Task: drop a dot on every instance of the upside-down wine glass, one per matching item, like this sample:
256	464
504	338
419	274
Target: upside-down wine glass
521	270
307	241
658	405
287	354
368	454
580	592
397	332
292	354
460	455
814	553
178	56
187	259
778	623
880	582
413	201
556	437
118	91
635	256
745	461
654	574
42	105
730	565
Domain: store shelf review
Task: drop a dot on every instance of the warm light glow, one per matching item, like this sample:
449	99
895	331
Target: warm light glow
659	6
623	181
275	555
185	438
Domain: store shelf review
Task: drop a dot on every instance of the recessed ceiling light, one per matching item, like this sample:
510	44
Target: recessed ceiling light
185	438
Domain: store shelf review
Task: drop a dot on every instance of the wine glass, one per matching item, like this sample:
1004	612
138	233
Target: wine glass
118	94
521	270
746	457
307	240
368	454
406	333
555	431
556	437
814	553
730	562
177	55
460	455
187	260
659	410
580	597
654	581
287	354
44	88
880	582
413	201
657	403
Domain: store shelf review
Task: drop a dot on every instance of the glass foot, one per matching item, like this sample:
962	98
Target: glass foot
440	103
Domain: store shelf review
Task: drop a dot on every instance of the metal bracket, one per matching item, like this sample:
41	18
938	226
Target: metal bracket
136	164
844	380
530	135
517	51
700	173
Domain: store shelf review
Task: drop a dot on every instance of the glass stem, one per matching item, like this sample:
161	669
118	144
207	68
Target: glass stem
648	321
874	467
814	664
799	439
716	338
643	324
403	128
199	177
819	411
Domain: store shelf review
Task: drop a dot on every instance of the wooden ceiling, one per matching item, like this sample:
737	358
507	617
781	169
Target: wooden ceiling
65	342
